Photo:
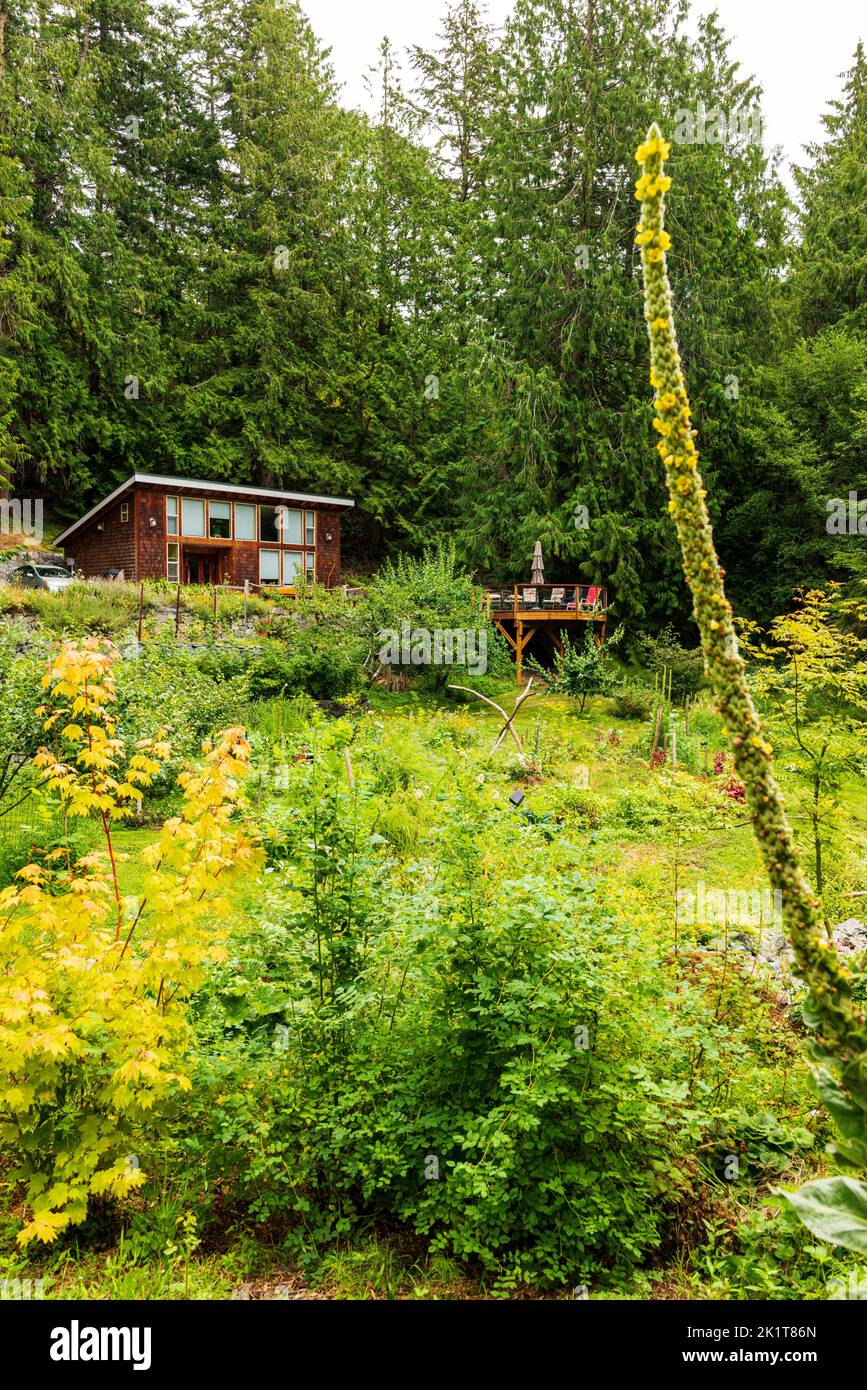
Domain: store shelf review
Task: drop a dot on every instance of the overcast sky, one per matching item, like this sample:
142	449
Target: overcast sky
797	49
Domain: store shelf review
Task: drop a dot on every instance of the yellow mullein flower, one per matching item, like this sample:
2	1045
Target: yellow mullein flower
666	402
655	256
659	323
664	240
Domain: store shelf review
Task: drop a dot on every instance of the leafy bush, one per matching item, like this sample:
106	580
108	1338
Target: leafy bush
167	686
638	807
457	1056
92	987
632	701
321	662
579	807
580	670
665	652
427	594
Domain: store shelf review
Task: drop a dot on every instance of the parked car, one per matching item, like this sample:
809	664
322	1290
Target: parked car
53	578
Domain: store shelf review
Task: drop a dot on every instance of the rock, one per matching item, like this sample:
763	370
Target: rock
850	937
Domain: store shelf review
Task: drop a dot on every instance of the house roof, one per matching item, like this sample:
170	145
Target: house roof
202	485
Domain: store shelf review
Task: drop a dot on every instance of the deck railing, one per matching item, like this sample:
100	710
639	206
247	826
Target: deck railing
587	601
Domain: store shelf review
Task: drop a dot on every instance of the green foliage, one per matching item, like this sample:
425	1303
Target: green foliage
664	652
322	662
632	701
580	670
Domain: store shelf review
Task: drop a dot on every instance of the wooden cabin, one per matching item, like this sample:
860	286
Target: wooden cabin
195	531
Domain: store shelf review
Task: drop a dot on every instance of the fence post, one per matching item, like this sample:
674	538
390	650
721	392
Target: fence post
656	732
246	593
140	608
178	611
214	630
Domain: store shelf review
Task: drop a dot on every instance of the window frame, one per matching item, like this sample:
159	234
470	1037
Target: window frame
194	535
176	577
246	507
218	502
173	497
263	582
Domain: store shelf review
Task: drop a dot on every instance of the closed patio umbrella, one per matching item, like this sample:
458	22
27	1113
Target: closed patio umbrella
538	574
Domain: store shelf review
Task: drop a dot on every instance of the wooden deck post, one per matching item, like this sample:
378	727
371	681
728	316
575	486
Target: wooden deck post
519	645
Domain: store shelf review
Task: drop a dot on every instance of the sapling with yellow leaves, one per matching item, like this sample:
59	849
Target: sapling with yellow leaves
93	1031
834	1208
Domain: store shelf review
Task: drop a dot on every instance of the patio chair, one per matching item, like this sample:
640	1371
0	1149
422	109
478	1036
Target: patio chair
557	598
529	600
590	602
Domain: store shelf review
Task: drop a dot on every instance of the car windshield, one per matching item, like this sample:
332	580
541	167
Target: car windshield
51	572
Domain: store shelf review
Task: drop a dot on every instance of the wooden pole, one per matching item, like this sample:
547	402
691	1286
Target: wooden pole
686	716
215	614
178	610
140	609
246	594
656	732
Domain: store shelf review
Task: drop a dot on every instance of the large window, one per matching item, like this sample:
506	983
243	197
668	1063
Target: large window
269	529
269	566
172	516
292	521
293	565
297	564
173	561
220	520
192	517
245	521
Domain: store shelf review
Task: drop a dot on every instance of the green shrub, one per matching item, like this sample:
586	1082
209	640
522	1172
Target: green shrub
464	1053
580	807
639	807
320	662
580	670
632	701
665	652
430	593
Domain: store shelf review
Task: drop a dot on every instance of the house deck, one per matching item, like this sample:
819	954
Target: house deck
548	610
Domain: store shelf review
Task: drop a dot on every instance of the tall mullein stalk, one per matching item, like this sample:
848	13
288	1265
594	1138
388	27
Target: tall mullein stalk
839	1034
